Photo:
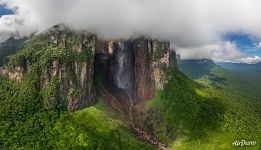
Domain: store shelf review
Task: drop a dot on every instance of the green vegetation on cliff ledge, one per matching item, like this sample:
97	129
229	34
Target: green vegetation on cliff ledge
41	52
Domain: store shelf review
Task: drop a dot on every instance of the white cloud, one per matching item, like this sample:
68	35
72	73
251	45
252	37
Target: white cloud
221	51
258	45
250	60
187	24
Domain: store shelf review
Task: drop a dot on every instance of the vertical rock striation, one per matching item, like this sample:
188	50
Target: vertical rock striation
75	76
151	62
144	77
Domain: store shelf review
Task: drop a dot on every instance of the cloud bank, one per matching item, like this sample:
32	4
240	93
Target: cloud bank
194	27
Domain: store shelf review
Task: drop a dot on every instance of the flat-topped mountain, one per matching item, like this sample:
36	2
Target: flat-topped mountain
68	60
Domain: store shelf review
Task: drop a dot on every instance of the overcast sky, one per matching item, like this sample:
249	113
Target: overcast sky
195	28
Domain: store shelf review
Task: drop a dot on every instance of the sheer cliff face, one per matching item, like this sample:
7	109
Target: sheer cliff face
144	77
76	77
151	60
136	65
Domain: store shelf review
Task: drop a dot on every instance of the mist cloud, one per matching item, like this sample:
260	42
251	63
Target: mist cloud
195	27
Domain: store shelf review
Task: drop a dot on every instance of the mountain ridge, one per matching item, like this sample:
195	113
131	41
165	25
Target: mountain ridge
244	67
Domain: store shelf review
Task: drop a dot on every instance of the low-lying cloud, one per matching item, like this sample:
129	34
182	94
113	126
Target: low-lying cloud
196	25
250	60
222	51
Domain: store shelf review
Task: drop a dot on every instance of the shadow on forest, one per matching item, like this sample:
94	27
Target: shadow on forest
217	81
187	109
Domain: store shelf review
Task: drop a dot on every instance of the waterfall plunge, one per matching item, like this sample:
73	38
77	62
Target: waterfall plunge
123	64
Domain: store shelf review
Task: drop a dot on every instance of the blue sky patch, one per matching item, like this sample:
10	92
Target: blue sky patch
4	11
245	42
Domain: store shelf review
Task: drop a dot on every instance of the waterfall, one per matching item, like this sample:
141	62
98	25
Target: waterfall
123	66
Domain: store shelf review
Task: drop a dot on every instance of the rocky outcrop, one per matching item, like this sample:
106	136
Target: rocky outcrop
15	73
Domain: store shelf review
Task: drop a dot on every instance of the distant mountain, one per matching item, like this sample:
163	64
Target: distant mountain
10	47
240	66
241	77
196	68
203	70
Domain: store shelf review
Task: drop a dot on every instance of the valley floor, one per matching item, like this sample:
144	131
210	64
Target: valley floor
185	115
